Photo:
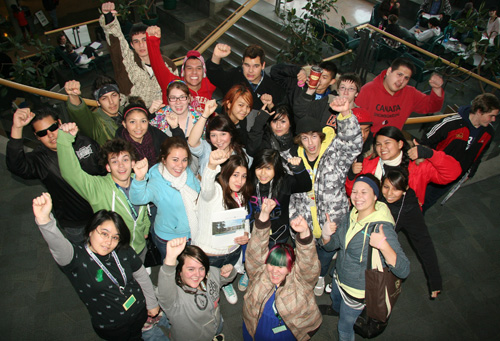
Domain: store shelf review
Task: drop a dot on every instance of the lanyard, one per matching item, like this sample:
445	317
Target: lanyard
238	200
255	86
276	313
132	209
106	271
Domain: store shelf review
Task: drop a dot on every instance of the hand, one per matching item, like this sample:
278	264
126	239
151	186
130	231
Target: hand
217	157
299	225
268	206
156	105
294	161
221	51
42	206
340	105
377	239
267	101
154	312
397	4
140	169
172	119
302	77
70	128
329	228
22	117
436	82
108	7
174	249
72	88
210	107
357	167
441	17
226	269
154	31
418	30
413	152
242	240
435	293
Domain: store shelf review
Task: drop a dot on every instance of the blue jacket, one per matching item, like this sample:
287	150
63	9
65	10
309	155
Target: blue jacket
171	220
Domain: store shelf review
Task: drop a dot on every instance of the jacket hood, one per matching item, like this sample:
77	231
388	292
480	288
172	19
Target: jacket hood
382	213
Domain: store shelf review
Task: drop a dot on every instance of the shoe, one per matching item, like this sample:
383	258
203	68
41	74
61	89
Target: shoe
218	337
243	282
230	294
328	288
326	309
320	286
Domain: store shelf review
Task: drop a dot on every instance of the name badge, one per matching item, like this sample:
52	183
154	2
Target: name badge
128	303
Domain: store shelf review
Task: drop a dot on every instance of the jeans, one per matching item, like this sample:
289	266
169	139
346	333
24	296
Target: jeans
161	244
156	333
230	258
325	258
347	315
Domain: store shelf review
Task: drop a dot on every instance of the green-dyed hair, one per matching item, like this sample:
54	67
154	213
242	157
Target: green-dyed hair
281	254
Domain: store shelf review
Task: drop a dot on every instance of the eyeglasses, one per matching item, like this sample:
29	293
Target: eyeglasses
52	128
107	236
343	88
180	98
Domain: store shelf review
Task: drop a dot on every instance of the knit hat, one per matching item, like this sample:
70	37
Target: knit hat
370	183
307	124
197	55
363	116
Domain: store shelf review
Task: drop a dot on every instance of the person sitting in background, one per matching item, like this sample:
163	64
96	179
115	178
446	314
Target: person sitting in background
493	26
441	8
421	37
396	30
80	59
387	8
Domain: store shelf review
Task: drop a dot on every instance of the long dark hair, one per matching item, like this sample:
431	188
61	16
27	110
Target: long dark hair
171	143
223	123
269	157
395	134
100	217
398	178
196	253
225	174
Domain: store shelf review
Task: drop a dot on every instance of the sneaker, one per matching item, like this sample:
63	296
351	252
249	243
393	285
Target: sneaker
243	282
328	288
230	294
320	286
326	309
218	337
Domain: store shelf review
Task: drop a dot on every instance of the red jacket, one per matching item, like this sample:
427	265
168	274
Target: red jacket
393	110
164	77
440	169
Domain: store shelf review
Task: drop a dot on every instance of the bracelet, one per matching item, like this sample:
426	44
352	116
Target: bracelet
205	117
380	244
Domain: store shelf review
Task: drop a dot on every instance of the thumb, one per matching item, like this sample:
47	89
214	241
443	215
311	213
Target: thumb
415	142
328	217
381	228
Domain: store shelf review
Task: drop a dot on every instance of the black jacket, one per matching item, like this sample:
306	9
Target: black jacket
70	209
157	135
224	80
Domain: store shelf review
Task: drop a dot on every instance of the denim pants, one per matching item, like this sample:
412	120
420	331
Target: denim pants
347	315
162	245
325	258
230	258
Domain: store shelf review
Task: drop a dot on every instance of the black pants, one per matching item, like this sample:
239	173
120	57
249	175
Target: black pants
132	330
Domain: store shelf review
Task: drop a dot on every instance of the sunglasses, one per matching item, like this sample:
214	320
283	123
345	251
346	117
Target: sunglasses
52	128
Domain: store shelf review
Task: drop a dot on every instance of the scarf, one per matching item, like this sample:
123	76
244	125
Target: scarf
189	195
380	171
145	149
281	143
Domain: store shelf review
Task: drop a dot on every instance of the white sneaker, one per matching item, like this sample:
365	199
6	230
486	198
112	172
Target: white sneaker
320	286
243	282
328	288
230	293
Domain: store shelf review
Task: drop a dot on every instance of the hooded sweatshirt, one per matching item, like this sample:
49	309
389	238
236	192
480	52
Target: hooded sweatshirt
394	110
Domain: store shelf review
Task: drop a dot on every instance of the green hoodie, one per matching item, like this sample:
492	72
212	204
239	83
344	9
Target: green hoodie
101	192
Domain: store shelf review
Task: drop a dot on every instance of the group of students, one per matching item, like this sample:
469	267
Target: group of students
304	173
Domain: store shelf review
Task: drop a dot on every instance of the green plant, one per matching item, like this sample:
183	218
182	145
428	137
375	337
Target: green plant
127	9
306	32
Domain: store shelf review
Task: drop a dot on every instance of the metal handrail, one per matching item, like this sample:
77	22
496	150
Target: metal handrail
429	54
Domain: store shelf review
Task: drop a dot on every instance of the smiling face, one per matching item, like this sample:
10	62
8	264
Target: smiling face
390	192
363	197
120	167
136	124
220	139
280	126
110	103
49	140
192	273
176	161
396	80
178	101
139	44
238	179
276	274
311	144
387	148
193	73
265	173
252	69
104	239
238	110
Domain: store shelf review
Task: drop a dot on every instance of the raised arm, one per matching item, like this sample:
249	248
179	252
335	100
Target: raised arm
199	126
306	263
167	288
162	72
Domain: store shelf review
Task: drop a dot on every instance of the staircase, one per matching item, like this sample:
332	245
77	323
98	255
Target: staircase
258	26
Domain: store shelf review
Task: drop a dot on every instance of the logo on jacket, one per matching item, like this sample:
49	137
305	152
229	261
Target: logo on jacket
84	152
